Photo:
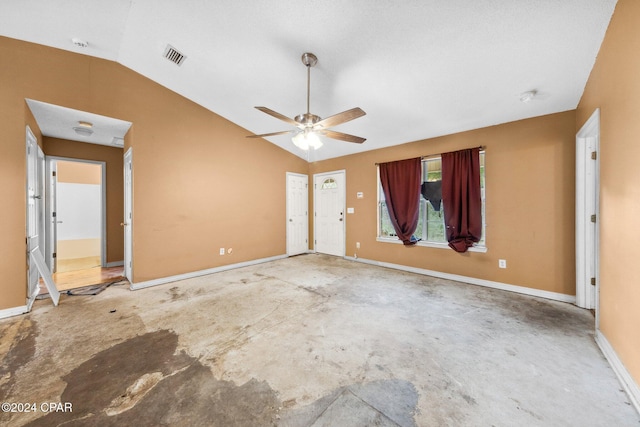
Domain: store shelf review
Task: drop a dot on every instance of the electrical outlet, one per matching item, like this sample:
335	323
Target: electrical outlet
222	251
357	245
502	263
230	251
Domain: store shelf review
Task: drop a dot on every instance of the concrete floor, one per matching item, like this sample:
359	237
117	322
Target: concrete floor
308	341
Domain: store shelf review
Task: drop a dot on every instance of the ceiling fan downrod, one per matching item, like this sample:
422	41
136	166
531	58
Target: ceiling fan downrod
308	119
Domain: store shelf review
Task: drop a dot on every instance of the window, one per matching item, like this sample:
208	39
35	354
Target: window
430	228
329	183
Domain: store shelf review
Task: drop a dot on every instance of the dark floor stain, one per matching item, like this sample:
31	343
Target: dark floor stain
382	403
143	382
20	338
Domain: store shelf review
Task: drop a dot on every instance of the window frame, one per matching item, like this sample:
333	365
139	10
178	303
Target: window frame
430	244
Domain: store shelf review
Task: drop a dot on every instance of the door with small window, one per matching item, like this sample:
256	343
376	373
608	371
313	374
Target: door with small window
329	219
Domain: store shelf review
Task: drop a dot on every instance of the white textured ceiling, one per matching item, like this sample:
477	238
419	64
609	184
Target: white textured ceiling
419	68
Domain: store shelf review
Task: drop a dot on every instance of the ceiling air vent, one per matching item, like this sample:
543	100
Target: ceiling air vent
173	55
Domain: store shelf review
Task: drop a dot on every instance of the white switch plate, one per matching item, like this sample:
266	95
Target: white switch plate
502	263
357	245
350	210
359	195
222	251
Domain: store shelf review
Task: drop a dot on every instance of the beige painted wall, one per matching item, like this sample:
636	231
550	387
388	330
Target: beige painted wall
78	248
614	87
76	172
199	184
529	204
80	173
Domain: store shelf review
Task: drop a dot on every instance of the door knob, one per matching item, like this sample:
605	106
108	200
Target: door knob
290	220
122	224
340	219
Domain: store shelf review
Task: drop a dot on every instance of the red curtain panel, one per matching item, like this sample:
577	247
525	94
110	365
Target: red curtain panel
401	182
461	198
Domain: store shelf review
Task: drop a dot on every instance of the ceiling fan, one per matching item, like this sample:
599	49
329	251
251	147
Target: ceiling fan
309	126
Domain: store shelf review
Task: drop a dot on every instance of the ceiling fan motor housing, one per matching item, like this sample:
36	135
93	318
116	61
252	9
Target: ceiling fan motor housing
307	119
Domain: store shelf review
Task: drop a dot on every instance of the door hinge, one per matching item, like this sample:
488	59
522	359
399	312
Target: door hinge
53	214
54	255
593	218
593	281
594	155
53	173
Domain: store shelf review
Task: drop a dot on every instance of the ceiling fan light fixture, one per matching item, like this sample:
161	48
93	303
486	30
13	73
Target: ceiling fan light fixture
306	139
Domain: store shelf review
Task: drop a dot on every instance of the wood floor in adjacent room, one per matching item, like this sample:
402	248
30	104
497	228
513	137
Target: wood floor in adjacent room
311	340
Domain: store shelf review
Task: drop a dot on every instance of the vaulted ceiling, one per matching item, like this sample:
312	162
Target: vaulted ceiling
418	68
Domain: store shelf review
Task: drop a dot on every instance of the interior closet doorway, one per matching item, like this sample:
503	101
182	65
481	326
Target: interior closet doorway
76	207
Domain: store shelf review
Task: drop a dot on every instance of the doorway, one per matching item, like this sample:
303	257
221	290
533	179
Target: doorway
329	219
77	205
587	211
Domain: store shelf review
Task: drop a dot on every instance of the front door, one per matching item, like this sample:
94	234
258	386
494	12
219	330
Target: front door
329	226
297	218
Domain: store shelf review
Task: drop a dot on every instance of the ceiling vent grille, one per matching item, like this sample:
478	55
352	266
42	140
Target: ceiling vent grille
173	55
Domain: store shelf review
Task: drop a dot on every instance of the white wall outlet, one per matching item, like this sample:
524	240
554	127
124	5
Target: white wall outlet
502	263
222	251
357	245
359	195
351	210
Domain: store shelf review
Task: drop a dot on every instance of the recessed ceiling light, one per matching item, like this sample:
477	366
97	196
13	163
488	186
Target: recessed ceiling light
79	42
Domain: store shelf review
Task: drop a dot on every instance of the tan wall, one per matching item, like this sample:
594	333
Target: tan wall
199	184
78	248
529	204
80	173
74	171
614	87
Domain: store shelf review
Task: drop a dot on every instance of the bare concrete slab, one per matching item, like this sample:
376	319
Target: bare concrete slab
308	341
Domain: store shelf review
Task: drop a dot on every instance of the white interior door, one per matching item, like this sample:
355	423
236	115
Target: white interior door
587	188
51	215
33	205
128	215
329	219
297	214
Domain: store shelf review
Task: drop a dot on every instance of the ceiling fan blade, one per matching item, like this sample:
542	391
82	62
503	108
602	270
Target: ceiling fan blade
343	136
340	118
271	134
278	116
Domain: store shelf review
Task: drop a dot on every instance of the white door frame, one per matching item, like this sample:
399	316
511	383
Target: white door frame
290	211
343	203
128	214
587	205
51	243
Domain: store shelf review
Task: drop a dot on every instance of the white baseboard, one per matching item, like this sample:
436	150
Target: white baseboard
114	264
625	378
13	311
163	280
473	281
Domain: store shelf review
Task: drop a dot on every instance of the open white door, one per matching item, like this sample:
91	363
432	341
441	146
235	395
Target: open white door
35	223
587	237
297	217
329	201
128	215
51	215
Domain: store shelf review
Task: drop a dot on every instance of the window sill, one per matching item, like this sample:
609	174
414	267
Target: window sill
480	249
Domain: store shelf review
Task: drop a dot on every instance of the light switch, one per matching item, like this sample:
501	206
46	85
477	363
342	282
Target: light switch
350	210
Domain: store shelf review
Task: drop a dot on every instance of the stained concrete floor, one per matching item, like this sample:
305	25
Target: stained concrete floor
308	341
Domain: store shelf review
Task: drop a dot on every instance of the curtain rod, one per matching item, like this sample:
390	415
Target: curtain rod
481	147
